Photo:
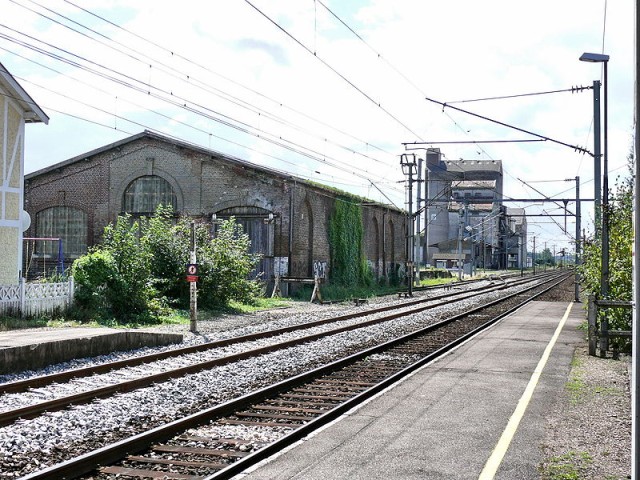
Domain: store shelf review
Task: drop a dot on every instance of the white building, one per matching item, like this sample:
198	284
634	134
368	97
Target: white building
16	109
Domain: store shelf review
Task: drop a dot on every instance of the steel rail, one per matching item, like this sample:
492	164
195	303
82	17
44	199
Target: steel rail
43	380
32	411
112	453
305	429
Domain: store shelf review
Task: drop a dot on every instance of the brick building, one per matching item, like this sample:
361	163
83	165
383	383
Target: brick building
285	216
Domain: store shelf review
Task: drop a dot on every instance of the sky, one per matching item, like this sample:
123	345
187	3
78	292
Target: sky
333	90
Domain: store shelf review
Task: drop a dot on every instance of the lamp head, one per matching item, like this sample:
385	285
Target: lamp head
594	57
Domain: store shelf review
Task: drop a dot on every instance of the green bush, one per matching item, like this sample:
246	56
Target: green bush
225	265
620	214
92	274
169	246
140	269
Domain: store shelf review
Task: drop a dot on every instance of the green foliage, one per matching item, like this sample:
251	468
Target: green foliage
348	263
130	292
225	265
620	215
92	274
569	466
338	293
169	247
140	269
545	258
113	281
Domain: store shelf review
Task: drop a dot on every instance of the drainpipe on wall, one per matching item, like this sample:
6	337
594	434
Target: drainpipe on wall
291	220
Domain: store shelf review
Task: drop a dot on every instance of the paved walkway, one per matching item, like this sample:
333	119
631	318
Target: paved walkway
451	417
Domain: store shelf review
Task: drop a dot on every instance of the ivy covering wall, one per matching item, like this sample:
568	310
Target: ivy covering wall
348	262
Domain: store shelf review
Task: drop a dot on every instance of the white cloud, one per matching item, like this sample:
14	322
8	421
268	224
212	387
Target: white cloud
454	50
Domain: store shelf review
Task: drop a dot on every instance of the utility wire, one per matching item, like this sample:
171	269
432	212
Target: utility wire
185	104
574	147
219	75
184	78
545	196
504	97
326	64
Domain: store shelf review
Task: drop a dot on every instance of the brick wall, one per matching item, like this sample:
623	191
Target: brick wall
205	183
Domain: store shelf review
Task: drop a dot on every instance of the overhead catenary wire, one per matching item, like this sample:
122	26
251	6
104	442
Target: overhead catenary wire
193	81
532	94
147	87
183	103
483	117
334	70
205	68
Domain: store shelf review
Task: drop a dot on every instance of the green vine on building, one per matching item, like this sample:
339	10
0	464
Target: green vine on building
348	262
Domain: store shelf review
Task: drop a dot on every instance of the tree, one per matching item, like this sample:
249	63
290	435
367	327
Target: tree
114	279
140	268
545	258
620	215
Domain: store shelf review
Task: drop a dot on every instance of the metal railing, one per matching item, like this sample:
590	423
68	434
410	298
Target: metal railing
599	333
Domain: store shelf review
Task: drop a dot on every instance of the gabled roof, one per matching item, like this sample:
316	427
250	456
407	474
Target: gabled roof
196	148
166	139
32	112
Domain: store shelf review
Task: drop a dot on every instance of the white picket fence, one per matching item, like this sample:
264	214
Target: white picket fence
32	299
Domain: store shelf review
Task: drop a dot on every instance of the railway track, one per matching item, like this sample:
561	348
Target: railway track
94	388
209	444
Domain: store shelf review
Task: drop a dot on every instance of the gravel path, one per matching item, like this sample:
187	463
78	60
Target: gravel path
588	433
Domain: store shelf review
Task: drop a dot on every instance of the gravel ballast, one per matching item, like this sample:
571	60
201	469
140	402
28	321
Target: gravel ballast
588	432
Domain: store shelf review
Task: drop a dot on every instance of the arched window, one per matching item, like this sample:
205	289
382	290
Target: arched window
144	194
66	223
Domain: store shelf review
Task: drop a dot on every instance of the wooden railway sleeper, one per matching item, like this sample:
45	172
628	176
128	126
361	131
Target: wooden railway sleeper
173	461
328	405
274	416
227	421
214	452
138	473
313	411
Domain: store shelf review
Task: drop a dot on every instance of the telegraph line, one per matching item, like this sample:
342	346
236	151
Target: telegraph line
196	108
326	64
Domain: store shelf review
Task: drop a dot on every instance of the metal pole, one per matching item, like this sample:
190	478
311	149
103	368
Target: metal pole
460	246
635	363
578	240
427	216
534	255
473	252
193	292
410	237
597	159
604	279
416	255
521	255
604	286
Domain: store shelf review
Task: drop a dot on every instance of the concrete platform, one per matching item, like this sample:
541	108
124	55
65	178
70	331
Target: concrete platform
22	350
447	419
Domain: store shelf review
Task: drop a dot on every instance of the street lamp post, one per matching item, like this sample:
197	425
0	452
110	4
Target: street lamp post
604	276
409	168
